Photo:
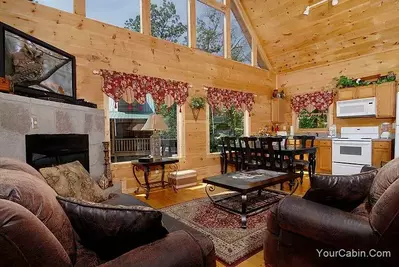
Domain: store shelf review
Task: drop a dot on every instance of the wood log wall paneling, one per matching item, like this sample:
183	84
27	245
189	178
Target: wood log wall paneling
352	28
98	45
318	78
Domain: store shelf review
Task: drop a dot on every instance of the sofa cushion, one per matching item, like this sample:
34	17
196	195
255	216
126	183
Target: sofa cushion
386	176
16	165
73	180
34	246
112	230
344	192
36	196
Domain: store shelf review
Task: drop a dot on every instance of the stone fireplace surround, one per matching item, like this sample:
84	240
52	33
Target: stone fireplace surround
17	113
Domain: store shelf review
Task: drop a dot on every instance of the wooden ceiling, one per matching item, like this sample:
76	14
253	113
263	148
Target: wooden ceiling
350	29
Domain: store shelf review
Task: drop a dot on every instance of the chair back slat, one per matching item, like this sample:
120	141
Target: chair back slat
270	150
230	148
303	140
250	151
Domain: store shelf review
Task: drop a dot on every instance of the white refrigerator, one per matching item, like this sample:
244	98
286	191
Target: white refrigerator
397	128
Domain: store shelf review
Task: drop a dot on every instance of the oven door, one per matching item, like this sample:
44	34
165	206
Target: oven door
345	168
354	152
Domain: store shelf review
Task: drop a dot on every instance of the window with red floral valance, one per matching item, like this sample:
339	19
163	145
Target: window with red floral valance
218	98
131	87
317	100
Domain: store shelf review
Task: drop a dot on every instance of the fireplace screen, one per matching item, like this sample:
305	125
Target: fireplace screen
46	150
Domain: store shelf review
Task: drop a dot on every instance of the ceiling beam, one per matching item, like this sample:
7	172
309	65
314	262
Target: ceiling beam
215	4
251	30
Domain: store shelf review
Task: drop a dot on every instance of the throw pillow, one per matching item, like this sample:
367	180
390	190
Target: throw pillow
72	180
110	230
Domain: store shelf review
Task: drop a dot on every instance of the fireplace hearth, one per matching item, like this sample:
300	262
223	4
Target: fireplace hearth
46	150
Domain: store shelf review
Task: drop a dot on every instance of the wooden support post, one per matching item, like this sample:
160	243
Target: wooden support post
227	30
107	136
79	7
254	53
192	24
145	16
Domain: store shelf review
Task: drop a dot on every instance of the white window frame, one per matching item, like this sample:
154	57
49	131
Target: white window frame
330	121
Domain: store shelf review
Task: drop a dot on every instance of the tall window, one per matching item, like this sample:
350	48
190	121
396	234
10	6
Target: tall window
169	20
224	122
121	13
64	5
128	141
241	40
312	120
210	27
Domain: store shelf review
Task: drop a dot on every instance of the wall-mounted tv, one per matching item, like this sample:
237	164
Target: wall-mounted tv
36	68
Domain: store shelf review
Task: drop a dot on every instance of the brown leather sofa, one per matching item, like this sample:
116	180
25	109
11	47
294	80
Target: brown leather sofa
341	221
35	230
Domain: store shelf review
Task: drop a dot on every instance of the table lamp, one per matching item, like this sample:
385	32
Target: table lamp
155	123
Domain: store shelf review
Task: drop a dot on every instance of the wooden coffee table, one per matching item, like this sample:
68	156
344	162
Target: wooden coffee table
245	182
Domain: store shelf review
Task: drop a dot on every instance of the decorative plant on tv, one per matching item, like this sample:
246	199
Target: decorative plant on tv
36	68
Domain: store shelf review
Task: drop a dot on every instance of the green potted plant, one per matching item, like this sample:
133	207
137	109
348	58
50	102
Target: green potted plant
196	104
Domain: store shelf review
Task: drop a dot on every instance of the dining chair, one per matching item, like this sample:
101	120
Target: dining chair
270	148
230	154
250	153
271	152
300	164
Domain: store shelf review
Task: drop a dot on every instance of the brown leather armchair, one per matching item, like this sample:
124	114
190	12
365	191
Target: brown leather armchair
35	230
341	221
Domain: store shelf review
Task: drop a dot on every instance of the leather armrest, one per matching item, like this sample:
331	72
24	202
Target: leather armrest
325	224
344	192
176	249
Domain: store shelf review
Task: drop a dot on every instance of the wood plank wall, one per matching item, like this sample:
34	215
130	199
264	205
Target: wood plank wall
98	45
319	78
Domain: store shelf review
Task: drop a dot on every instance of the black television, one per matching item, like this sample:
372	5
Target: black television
36	68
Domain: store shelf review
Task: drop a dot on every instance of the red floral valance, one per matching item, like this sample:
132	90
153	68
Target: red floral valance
318	100
228	98
130	87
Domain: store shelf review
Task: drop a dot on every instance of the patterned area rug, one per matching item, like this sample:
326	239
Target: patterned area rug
232	243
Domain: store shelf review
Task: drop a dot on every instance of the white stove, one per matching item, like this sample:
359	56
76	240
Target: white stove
353	150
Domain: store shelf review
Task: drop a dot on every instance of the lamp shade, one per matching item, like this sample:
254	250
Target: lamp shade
155	122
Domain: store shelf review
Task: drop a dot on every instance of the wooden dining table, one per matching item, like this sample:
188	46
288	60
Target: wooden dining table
289	151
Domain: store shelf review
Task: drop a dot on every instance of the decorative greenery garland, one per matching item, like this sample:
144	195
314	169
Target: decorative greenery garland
345	82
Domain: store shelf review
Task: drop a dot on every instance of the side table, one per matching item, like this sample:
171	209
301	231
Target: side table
146	168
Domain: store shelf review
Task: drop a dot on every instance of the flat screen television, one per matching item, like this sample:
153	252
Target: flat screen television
36	68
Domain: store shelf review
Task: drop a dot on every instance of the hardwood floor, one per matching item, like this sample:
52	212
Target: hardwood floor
167	197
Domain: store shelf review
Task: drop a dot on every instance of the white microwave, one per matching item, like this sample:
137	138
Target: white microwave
356	107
